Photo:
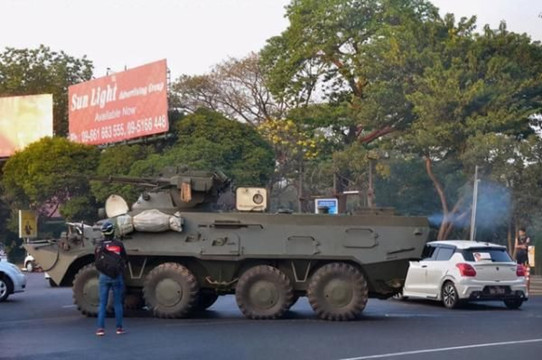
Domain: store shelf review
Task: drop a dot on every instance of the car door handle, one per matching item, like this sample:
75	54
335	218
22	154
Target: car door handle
424	266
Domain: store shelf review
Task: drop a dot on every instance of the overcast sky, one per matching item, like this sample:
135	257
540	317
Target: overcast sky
193	35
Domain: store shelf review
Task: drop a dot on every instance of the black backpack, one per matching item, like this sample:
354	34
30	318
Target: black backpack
108	263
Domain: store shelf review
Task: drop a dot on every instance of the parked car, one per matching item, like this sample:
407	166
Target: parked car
12	280
459	271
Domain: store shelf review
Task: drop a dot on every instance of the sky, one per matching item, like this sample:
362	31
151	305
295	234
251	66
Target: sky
193	35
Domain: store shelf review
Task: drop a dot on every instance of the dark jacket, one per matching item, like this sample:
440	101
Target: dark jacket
112	245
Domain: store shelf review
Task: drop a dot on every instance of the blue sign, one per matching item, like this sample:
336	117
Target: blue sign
330	204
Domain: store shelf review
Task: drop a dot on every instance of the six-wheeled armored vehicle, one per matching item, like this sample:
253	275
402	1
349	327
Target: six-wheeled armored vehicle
182	255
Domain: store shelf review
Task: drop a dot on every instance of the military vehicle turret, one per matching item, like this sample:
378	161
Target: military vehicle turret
182	255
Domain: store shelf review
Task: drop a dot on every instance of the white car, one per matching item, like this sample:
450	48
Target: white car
12	280
457	271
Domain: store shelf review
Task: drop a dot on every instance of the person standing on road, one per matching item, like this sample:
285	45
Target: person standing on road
116	254
521	246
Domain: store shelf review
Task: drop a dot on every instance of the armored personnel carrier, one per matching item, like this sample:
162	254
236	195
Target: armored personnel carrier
182	255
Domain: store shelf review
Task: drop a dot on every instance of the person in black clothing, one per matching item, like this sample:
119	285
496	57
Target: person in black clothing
521	246
112	245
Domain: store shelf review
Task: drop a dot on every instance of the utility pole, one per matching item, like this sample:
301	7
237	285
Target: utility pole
474	204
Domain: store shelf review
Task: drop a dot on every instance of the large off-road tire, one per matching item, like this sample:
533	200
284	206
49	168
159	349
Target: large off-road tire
205	300
337	291
86	290
450	296
263	292
170	291
513	304
6	287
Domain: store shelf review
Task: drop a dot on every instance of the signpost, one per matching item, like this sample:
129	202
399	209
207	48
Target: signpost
28	224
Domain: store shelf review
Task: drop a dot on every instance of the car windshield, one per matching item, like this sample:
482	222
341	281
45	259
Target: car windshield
486	254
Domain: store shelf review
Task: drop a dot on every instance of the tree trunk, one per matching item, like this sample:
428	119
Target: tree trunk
445	226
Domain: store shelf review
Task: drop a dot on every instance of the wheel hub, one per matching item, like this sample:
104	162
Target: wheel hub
263	294
168	292
338	292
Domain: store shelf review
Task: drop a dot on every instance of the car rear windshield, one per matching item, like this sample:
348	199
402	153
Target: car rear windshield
486	254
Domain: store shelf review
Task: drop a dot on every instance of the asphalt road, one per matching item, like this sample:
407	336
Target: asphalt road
42	323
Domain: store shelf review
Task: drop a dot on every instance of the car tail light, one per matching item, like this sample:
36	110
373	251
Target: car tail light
466	269
520	270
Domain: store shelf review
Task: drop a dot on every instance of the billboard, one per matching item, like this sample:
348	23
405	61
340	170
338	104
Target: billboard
24	120
121	106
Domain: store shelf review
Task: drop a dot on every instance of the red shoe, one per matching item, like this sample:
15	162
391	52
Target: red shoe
121	331
100	332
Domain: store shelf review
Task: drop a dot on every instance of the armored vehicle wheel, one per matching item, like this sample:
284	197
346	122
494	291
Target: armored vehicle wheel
205	300
263	292
337	291
86	290
170	290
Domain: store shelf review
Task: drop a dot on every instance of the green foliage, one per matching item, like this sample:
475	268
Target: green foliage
48	173
43	71
207	140
118	161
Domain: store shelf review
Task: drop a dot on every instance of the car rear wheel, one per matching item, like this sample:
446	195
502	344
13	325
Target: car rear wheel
337	291
449	295
6	287
513	303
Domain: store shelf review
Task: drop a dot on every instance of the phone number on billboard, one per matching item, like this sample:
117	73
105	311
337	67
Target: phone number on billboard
121	131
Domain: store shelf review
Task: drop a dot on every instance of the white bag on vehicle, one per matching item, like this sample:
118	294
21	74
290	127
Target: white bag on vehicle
151	221
176	222
124	224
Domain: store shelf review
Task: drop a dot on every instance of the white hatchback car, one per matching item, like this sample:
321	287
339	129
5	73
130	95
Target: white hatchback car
12	280
457	271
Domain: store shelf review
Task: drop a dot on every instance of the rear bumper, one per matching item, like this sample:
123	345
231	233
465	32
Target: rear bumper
493	290
512	295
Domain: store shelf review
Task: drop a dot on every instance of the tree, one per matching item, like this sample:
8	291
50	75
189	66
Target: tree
330	58
324	54
234	88
476	87
118	161
39	71
209	141
49	175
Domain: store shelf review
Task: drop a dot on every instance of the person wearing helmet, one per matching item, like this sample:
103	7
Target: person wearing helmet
114	251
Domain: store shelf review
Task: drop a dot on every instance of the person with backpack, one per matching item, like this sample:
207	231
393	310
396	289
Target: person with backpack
110	260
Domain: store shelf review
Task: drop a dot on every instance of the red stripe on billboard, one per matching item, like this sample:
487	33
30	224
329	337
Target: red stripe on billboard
121	106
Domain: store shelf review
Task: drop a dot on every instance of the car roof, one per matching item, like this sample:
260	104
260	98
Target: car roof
466	244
